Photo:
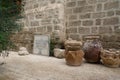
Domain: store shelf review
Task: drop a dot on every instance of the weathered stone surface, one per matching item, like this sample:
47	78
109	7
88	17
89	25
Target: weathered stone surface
46	21
92	1
117	12
103	30
74	36
41	29
71	4
34	23
72	17
59	53
98	15
83	9
72	30
111	21
74	23
85	16
74	58
23	51
98	22
81	3
87	23
49	28
69	11
118	38
111	5
84	30
102	0
110	13
99	7
111	58
94	30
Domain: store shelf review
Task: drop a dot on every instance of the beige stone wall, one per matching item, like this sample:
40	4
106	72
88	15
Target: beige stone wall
44	16
74	19
94	17
40	17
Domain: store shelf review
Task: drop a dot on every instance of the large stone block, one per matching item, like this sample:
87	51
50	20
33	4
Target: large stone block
102	0
92	1
68	11
84	30
23	51
98	15
41	29
46	21
35	23
117	12
81	3
111	21
103	30
98	22
118	38
72	30
99	7
75	36
39	15
74	23
72	17
84	9
85	16
59	53
110	13
111	5
49	28
57	27
94	30
109	38
87	23
71	4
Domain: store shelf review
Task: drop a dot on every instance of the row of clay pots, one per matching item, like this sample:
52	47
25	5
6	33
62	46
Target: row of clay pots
92	51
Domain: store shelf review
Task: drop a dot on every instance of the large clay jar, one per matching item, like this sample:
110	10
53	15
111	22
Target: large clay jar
110	58
74	58
92	49
73	53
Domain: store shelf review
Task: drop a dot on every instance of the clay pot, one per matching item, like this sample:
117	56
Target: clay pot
92	49
110	58
73	53
74	58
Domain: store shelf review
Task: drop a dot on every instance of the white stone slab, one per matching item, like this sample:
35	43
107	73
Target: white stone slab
41	45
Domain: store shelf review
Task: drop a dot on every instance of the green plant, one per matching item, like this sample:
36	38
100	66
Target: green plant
10	13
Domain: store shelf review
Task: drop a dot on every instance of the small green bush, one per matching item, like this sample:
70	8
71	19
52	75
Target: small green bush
10	13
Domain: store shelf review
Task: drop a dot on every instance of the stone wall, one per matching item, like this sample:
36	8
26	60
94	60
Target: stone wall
44	16
94	17
41	17
23	39
74	19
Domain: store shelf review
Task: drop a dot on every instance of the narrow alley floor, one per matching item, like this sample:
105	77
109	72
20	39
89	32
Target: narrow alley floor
35	67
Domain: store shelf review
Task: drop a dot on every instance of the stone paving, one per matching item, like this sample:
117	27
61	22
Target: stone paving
34	67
